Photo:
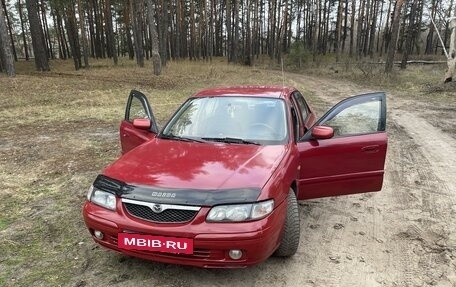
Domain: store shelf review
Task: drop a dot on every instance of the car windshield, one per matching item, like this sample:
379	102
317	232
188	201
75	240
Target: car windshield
244	120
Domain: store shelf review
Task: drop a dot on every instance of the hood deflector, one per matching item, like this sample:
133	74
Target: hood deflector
176	195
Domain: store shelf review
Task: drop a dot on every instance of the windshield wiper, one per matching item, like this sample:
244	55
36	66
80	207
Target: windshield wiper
179	138
231	140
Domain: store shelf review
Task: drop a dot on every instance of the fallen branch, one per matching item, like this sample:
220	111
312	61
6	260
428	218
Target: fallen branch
420	62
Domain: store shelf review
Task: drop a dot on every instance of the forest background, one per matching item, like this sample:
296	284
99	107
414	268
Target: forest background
72	64
298	32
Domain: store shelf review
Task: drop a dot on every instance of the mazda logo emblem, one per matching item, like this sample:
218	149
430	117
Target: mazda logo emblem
157	208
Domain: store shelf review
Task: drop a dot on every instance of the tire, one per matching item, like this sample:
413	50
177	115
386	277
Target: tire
291	231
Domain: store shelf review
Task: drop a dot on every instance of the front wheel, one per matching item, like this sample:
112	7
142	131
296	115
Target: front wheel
291	232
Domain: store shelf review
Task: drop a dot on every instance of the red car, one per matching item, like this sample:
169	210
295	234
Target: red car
218	186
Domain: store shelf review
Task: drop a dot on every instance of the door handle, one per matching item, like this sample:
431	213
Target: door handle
370	148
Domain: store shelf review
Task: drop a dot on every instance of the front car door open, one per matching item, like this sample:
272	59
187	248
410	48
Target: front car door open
352	160
139	124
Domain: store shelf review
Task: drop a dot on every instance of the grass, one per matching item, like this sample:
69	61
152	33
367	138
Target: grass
60	129
4	223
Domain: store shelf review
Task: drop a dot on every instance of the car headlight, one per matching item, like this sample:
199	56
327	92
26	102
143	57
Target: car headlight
240	212
102	198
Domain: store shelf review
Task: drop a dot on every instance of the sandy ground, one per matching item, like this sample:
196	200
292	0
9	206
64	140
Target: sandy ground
404	235
401	236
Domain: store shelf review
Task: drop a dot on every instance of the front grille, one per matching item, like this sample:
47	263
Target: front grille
168	215
197	254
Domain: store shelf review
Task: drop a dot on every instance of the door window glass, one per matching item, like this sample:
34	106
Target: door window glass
137	110
297	130
302	105
361	118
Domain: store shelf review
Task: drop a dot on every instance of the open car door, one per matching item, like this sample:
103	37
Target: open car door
344	152
139	124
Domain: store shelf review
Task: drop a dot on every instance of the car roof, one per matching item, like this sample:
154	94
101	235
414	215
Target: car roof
248	91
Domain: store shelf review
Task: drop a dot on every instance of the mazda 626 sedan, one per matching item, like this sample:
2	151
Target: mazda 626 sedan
218	186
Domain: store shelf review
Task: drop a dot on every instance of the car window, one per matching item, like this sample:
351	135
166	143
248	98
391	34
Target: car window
297	130
302	105
137	110
250	118
361	118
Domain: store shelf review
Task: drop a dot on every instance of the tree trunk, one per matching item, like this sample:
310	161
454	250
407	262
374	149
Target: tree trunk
163	42
451	53
205	34
359	30
183	32
366	31
447	26
2	60
127	22
315	30
6	54
380	27
211	37
10	31
373	28
47	36
339	30
97	36
110	31
39	48
178	31
21	18
255	37
402	26
235	46
228	30
418	21
394	36
85	48
248	44
192	48
430	36
146	36
345	25
156	61
352	28
326	34
137	20
386	34
61	35
409	37
90	21
73	36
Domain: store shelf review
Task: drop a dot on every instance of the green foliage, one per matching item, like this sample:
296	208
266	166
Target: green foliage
4	223
299	56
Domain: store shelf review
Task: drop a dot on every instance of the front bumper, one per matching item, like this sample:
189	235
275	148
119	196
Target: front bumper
211	241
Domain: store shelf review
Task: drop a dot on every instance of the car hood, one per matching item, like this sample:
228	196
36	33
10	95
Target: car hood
205	166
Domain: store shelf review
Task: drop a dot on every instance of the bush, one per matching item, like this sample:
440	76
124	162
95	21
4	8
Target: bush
299	56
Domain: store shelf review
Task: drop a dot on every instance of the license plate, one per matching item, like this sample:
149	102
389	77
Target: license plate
131	241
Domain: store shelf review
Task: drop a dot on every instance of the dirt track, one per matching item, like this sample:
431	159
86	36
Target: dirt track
404	235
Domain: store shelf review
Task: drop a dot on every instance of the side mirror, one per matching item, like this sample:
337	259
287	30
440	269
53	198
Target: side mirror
322	132
142	124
